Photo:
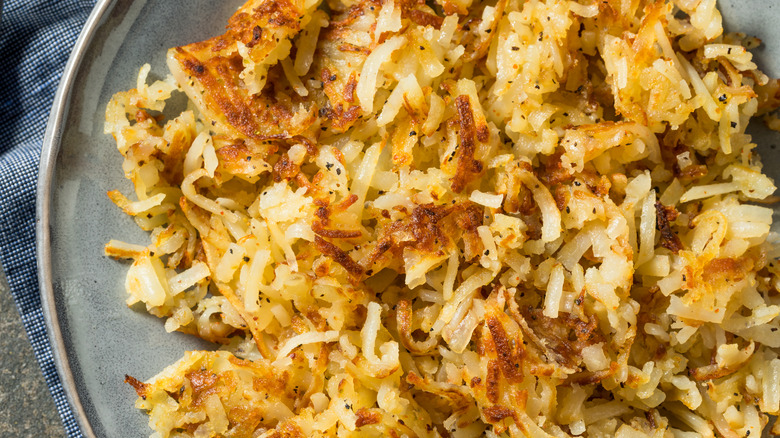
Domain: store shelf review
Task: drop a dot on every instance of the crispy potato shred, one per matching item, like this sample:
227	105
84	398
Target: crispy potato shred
457	218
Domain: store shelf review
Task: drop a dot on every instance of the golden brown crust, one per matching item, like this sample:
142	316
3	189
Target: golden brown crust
424	18
367	416
492	381
431	228
510	359
565	336
139	386
496	413
468	167
258	117
665	215
211	72
339	256
728	269
203	383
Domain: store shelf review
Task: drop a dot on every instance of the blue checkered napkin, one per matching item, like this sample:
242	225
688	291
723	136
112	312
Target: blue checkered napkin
36	38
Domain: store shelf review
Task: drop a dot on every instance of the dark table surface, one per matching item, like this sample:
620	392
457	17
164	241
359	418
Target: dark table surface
26	408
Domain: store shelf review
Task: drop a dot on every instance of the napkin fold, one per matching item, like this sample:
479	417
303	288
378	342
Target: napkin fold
36	39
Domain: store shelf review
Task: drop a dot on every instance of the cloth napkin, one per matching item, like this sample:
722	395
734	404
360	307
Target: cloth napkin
36	38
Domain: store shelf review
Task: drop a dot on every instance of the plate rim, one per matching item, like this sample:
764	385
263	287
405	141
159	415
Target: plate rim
50	149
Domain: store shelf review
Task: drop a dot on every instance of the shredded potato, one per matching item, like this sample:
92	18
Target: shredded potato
457	218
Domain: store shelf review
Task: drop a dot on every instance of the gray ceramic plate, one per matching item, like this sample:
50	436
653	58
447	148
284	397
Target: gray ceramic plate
96	339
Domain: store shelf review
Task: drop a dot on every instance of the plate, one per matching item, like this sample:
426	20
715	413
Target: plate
96	339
